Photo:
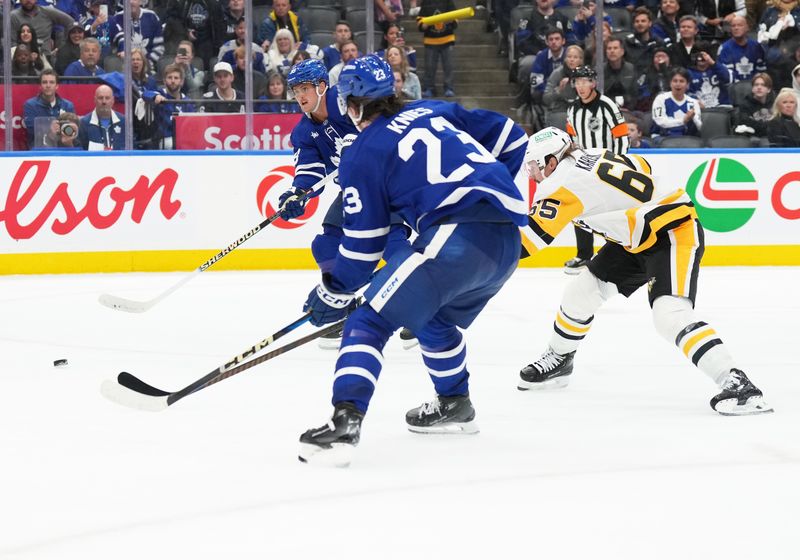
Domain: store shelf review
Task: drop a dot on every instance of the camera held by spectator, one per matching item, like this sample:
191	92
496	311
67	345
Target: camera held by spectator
63	132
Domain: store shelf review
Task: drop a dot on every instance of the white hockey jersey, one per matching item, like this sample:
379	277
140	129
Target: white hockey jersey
614	195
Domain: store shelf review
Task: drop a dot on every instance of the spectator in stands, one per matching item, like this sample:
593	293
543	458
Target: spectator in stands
281	17
742	56
63	132
501	10
590	50
619	76
42	19
47	104
349	51
779	26
21	63
783	129
200	21
233	13
300	56
656	80
636	139
715	17
399	83
642	43
674	112
223	91
709	79
86	65
331	55
560	91
396	57
751	115
27	36
281	52
584	22
796	84
394	36
666	26
163	137
388	11
682	52
226	51
545	63
146	32
97	23
103	128
259	83
531	35
438	40
142	74
193	79
70	51
277	93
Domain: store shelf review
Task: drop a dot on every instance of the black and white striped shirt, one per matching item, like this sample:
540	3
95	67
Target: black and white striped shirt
598	124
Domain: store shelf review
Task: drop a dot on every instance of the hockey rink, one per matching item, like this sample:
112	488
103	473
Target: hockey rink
628	462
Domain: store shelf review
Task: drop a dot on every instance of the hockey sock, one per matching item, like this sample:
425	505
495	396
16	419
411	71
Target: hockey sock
360	357
583	296
444	352
675	320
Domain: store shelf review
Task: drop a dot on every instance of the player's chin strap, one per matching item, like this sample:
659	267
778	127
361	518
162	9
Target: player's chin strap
356	120
319	99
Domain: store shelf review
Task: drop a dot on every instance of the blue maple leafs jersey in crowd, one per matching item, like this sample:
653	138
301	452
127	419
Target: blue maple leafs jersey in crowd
432	161
318	146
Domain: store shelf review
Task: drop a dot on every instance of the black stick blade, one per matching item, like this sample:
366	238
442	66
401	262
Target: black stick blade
135	384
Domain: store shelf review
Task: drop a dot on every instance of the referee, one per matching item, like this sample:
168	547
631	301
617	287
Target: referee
593	121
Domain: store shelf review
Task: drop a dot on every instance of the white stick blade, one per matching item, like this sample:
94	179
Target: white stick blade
115	392
122	304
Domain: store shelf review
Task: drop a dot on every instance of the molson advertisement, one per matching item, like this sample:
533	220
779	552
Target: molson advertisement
111	212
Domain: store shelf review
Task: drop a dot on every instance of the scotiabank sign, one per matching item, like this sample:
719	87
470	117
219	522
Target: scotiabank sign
201	131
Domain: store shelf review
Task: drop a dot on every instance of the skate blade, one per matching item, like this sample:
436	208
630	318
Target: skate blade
329	343
574	271
555	383
447	428
337	455
754	405
410	343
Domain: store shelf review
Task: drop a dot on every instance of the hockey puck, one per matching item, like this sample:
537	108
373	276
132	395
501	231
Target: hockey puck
60	363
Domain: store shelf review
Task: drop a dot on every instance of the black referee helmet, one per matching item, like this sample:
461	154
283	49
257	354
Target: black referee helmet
584	72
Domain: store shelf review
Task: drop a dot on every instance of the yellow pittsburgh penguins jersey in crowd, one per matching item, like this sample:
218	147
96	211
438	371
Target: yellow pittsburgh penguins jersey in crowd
614	195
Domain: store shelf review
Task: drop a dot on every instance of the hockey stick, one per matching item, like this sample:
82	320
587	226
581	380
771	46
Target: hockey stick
134	306
130	391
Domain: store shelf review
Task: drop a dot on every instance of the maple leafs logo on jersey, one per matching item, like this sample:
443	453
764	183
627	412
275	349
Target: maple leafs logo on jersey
341	144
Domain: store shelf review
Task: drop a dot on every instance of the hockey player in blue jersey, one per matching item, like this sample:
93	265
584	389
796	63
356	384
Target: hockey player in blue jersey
449	173
318	141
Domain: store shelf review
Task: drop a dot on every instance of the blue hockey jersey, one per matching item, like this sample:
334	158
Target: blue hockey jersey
318	146
433	161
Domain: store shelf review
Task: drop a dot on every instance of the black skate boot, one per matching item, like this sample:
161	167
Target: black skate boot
739	397
551	371
575	265
408	338
331	341
333	443
443	415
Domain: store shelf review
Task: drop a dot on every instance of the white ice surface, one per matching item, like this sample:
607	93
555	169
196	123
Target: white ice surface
628	462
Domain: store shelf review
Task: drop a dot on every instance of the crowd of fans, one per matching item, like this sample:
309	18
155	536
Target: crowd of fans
686	73
189	56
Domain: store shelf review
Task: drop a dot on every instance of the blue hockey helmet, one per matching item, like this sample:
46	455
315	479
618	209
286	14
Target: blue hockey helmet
366	77
309	71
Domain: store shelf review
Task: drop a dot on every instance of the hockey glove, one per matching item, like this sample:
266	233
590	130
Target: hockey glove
290	204
327	306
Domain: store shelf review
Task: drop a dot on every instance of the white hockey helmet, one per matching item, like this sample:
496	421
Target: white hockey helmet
550	141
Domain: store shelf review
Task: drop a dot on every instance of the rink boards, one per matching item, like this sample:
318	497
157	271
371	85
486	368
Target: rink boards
163	211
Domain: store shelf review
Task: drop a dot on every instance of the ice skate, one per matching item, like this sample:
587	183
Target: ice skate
575	265
333	443
739	397
408	338
551	371
331	341
443	415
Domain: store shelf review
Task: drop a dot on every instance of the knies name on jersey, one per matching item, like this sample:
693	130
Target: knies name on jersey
587	162
401	121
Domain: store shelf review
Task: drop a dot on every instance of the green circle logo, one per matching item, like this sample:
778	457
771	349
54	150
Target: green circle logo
723	193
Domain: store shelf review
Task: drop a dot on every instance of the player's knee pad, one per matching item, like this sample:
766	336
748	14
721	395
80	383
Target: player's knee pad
365	326
437	336
325	246
672	314
585	294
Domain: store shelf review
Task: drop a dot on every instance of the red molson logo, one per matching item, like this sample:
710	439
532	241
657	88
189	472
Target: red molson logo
22	191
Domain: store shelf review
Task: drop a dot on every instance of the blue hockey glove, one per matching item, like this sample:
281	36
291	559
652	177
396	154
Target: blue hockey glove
327	306
290	205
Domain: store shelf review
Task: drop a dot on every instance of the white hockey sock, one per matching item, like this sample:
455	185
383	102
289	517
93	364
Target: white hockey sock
675	320
582	297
